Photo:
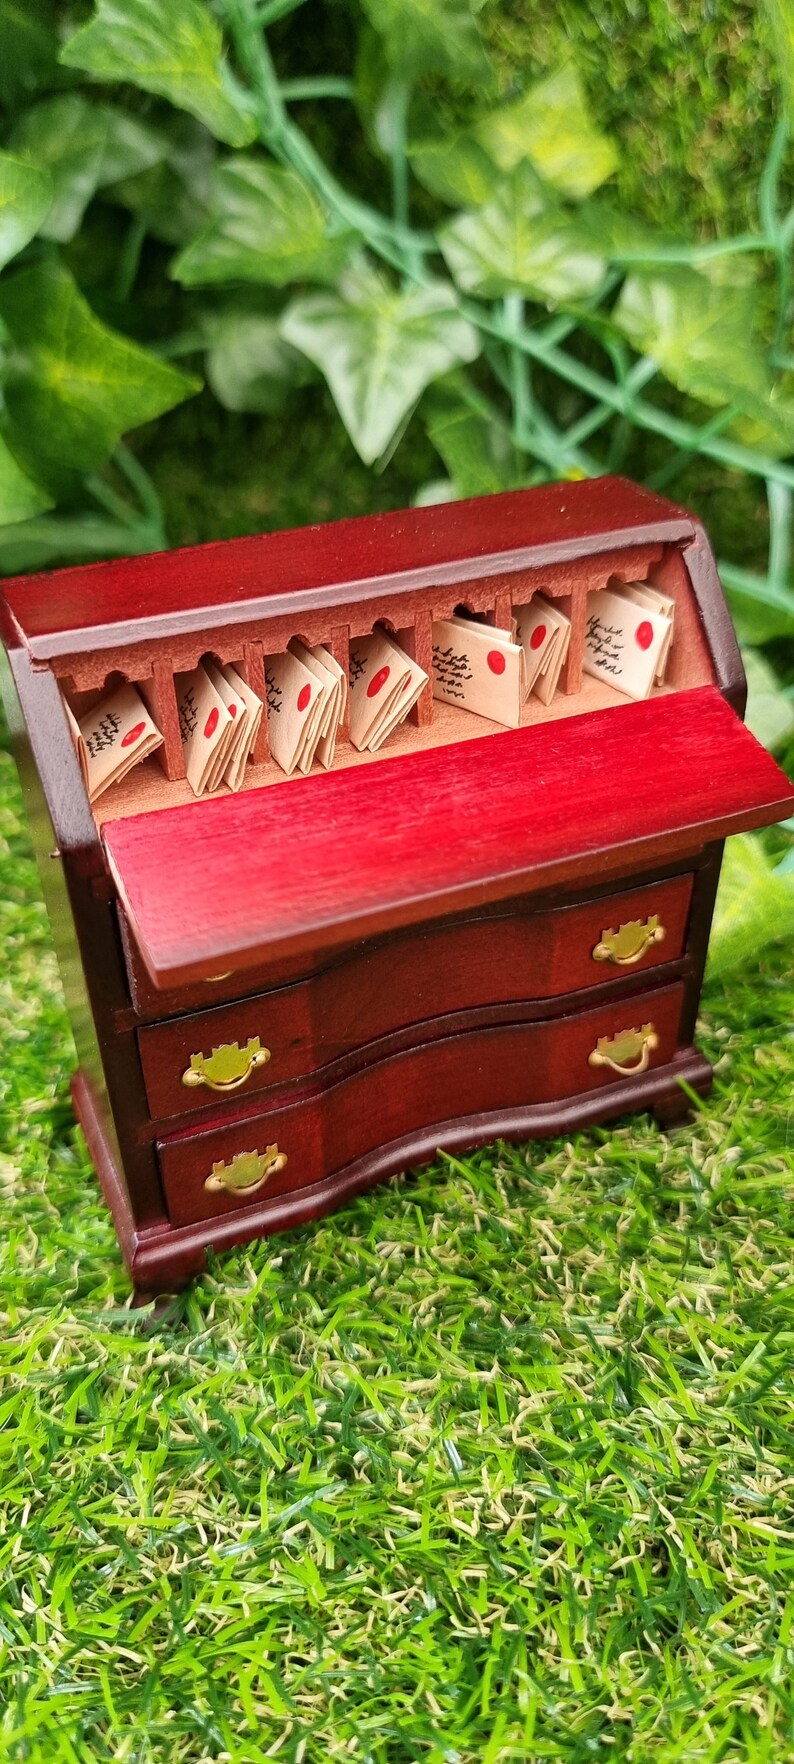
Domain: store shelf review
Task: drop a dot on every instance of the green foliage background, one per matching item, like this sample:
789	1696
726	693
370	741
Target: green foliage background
688	98
688	92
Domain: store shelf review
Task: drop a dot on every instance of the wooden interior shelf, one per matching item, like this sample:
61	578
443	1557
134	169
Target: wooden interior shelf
147	789
409	614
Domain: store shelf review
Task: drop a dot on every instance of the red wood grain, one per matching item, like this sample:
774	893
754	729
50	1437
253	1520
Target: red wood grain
133	599
224	883
150	1003
441	1082
407	981
164	1258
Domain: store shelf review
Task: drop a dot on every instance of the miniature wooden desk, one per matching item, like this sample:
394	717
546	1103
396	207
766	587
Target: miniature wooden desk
283	996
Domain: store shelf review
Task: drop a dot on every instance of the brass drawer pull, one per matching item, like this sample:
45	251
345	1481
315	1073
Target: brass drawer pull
227	1067
246	1172
620	1050
625	946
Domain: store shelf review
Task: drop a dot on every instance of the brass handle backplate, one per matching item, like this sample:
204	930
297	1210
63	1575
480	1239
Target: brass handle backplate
247	1172
227	1067
625	946
627	1052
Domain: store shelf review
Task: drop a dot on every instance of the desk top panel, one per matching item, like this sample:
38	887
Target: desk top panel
96	606
226	883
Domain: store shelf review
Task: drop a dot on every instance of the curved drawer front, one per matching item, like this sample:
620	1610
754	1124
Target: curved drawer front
259	1042
211	1172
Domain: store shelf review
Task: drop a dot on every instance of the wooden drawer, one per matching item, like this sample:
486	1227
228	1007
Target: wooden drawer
387	986
154	1002
444	1081
568	965
384	987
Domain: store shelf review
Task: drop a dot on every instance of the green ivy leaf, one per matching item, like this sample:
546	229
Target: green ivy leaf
374	90
625	240
174	198
434	492
378	349
552	127
431	36
174	49
766	422
755	907
268	226
454	167
770	712
477	453
249	366
700	332
25	195
84	145
72	386
703	332
61	539
20	498
519	243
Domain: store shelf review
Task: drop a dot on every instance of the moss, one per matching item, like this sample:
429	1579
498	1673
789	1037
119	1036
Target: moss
688	89
222	474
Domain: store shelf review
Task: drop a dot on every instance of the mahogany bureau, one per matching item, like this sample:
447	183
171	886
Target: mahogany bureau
284	995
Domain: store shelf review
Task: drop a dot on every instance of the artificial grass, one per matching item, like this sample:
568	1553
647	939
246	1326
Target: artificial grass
497	1463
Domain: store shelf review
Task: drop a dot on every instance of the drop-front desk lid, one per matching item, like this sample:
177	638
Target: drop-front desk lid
226	883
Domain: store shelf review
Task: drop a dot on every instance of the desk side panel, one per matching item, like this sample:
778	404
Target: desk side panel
80	903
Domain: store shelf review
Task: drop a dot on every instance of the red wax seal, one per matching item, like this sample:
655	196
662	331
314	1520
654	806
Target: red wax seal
377	682
644	634
496	661
538	637
232	710
133	735
211	724
303	697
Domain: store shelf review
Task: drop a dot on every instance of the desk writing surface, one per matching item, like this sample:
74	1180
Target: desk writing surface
227	882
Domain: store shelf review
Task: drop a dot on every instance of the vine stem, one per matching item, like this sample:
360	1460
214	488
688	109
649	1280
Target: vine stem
757	588
293	90
779	500
272	10
147	523
520	387
556	451
289	144
621	400
401	98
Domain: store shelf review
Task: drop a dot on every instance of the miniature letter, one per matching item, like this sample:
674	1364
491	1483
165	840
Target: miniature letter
112	738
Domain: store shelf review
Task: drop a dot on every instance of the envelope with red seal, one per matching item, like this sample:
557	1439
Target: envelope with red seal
623	642
117	734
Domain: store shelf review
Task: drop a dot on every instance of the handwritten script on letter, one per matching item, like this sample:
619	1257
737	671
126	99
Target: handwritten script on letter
451	670
606	644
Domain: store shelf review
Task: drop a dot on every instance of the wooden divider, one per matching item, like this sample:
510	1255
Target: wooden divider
410	616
